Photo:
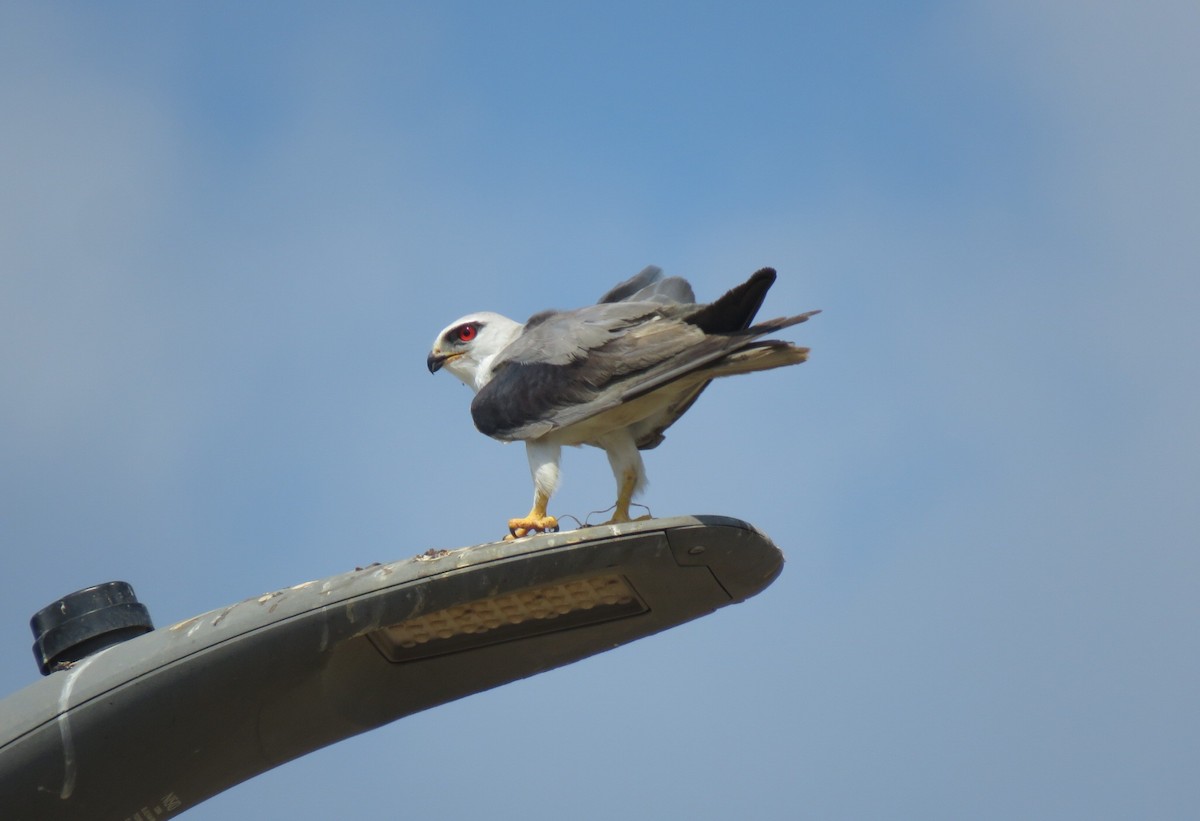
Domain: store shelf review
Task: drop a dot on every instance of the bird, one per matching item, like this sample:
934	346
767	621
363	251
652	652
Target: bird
614	375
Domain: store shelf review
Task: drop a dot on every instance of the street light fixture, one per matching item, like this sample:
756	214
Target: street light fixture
153	725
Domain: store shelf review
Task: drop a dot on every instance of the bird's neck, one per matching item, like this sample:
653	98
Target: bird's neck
484	373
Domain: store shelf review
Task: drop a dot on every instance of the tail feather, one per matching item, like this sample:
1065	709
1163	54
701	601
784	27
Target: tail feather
758	356
778	324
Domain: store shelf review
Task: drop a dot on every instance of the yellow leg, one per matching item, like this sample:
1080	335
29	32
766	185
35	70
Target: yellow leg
624	497
536	521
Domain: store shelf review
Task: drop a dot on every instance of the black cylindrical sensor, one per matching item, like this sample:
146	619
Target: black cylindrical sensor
85	622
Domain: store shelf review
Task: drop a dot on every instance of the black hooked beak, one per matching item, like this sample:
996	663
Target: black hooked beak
435	362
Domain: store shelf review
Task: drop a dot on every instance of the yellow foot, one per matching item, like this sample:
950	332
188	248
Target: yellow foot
530	524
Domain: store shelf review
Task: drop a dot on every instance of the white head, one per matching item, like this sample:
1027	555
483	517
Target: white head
467	346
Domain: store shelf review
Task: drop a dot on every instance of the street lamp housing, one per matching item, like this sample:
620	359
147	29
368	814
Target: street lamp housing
157	724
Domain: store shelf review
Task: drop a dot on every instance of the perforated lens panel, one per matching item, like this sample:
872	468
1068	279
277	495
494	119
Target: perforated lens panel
521	614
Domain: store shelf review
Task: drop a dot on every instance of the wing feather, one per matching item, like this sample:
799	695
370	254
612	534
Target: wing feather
645	334
570	358
642	279
562	337
527	399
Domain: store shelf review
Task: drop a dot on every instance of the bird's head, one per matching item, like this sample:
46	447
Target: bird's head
467	347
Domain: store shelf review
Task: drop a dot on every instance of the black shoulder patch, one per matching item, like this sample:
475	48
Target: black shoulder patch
523	393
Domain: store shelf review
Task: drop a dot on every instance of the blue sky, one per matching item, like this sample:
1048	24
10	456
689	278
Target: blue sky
229	235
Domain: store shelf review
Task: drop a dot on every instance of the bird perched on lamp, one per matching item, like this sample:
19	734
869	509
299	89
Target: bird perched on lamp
614	375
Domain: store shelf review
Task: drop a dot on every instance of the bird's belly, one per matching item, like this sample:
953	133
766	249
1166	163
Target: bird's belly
625	415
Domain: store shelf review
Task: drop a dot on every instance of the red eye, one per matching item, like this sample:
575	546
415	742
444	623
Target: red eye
466	333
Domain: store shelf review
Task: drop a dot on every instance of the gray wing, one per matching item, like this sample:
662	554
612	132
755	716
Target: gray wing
647	276
648	285
569	366
528	399
693	355
568	359
566	337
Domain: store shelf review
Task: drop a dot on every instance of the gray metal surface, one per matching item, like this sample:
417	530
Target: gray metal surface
159	723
